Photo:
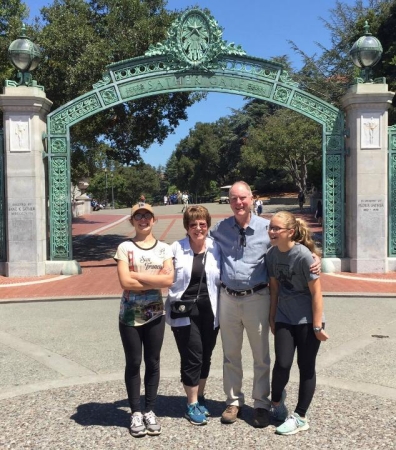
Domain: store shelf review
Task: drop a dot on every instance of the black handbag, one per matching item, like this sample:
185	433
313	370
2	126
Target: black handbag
183	308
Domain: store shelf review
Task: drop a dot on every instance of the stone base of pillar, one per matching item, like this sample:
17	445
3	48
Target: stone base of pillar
392	264
63	268
369	265
332	265
24	269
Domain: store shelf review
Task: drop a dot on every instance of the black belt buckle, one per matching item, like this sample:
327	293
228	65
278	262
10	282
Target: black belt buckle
235	293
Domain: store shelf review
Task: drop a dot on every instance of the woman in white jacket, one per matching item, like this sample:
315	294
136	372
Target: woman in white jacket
197	270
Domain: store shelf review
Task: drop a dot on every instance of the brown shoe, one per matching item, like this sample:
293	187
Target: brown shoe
260	418
230	414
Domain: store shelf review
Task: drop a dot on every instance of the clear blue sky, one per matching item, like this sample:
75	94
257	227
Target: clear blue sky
263	29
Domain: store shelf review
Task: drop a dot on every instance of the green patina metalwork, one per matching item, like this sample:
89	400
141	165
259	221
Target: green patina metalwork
392	191
2	201
194	58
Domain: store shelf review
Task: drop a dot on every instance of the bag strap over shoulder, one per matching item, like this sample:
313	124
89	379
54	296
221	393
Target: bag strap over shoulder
202	274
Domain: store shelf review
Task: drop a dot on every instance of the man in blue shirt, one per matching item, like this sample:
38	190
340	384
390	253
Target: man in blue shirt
244	303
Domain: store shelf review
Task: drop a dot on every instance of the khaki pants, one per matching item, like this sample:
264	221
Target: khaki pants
250	313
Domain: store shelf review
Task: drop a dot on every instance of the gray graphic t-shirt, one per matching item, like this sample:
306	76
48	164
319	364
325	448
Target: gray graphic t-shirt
291	269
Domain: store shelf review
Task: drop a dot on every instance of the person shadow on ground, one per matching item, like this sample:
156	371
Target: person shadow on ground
117	413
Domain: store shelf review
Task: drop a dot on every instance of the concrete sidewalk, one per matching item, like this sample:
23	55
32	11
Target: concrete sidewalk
61	383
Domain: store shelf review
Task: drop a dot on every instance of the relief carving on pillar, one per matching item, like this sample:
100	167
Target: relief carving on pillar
370	131
19	134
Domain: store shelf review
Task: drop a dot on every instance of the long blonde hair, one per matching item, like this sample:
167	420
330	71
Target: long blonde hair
302	234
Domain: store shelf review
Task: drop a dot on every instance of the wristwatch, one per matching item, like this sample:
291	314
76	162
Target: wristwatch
317	329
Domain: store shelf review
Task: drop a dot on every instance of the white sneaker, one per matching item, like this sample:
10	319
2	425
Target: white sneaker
292	425
152	425
137	427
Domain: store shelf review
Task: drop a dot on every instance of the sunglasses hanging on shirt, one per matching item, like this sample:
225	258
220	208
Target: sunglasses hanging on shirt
242	241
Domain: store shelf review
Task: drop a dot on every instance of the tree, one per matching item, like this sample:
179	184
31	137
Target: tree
128	184
287	140
12	14
73	61
329	74
198	159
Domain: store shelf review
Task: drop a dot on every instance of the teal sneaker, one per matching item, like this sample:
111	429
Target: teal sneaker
279	413
292	425
202	405
195	415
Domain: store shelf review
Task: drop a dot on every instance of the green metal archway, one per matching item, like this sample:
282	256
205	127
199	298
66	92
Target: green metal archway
194	58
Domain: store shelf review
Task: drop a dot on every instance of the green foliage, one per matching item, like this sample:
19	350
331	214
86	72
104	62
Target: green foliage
12	14
129	183
196	160
85	162
329	74
78	40
270	147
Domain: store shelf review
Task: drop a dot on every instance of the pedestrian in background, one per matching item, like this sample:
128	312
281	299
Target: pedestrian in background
301	200
319	212
185	201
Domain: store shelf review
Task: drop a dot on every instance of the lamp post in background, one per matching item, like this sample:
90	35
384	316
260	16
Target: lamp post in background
105	187
112	190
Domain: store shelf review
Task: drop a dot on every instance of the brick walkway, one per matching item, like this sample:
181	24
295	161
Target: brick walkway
96	236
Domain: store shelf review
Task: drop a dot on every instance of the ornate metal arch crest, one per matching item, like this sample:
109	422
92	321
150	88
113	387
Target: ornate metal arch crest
194	41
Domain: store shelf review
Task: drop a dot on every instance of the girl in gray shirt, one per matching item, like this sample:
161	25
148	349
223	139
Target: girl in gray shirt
296	316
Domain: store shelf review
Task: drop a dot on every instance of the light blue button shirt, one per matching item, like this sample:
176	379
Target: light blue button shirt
242	267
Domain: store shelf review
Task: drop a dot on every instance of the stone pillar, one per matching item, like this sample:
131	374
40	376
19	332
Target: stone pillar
25	110
366	188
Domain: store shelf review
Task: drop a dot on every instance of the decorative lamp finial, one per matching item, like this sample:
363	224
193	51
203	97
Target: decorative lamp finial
365	53
24	56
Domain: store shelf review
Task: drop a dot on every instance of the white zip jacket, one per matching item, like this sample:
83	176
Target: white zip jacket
183	262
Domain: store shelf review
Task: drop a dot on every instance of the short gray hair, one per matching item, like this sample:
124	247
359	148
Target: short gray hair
243	184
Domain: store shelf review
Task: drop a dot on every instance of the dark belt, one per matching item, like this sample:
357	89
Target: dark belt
256	288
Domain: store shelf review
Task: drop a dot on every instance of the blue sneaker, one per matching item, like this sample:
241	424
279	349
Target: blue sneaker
202	405
292	425
195	415
279	413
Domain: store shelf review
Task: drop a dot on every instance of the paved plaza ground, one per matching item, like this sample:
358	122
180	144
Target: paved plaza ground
61	379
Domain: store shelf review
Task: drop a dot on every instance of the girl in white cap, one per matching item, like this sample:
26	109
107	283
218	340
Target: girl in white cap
144	267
